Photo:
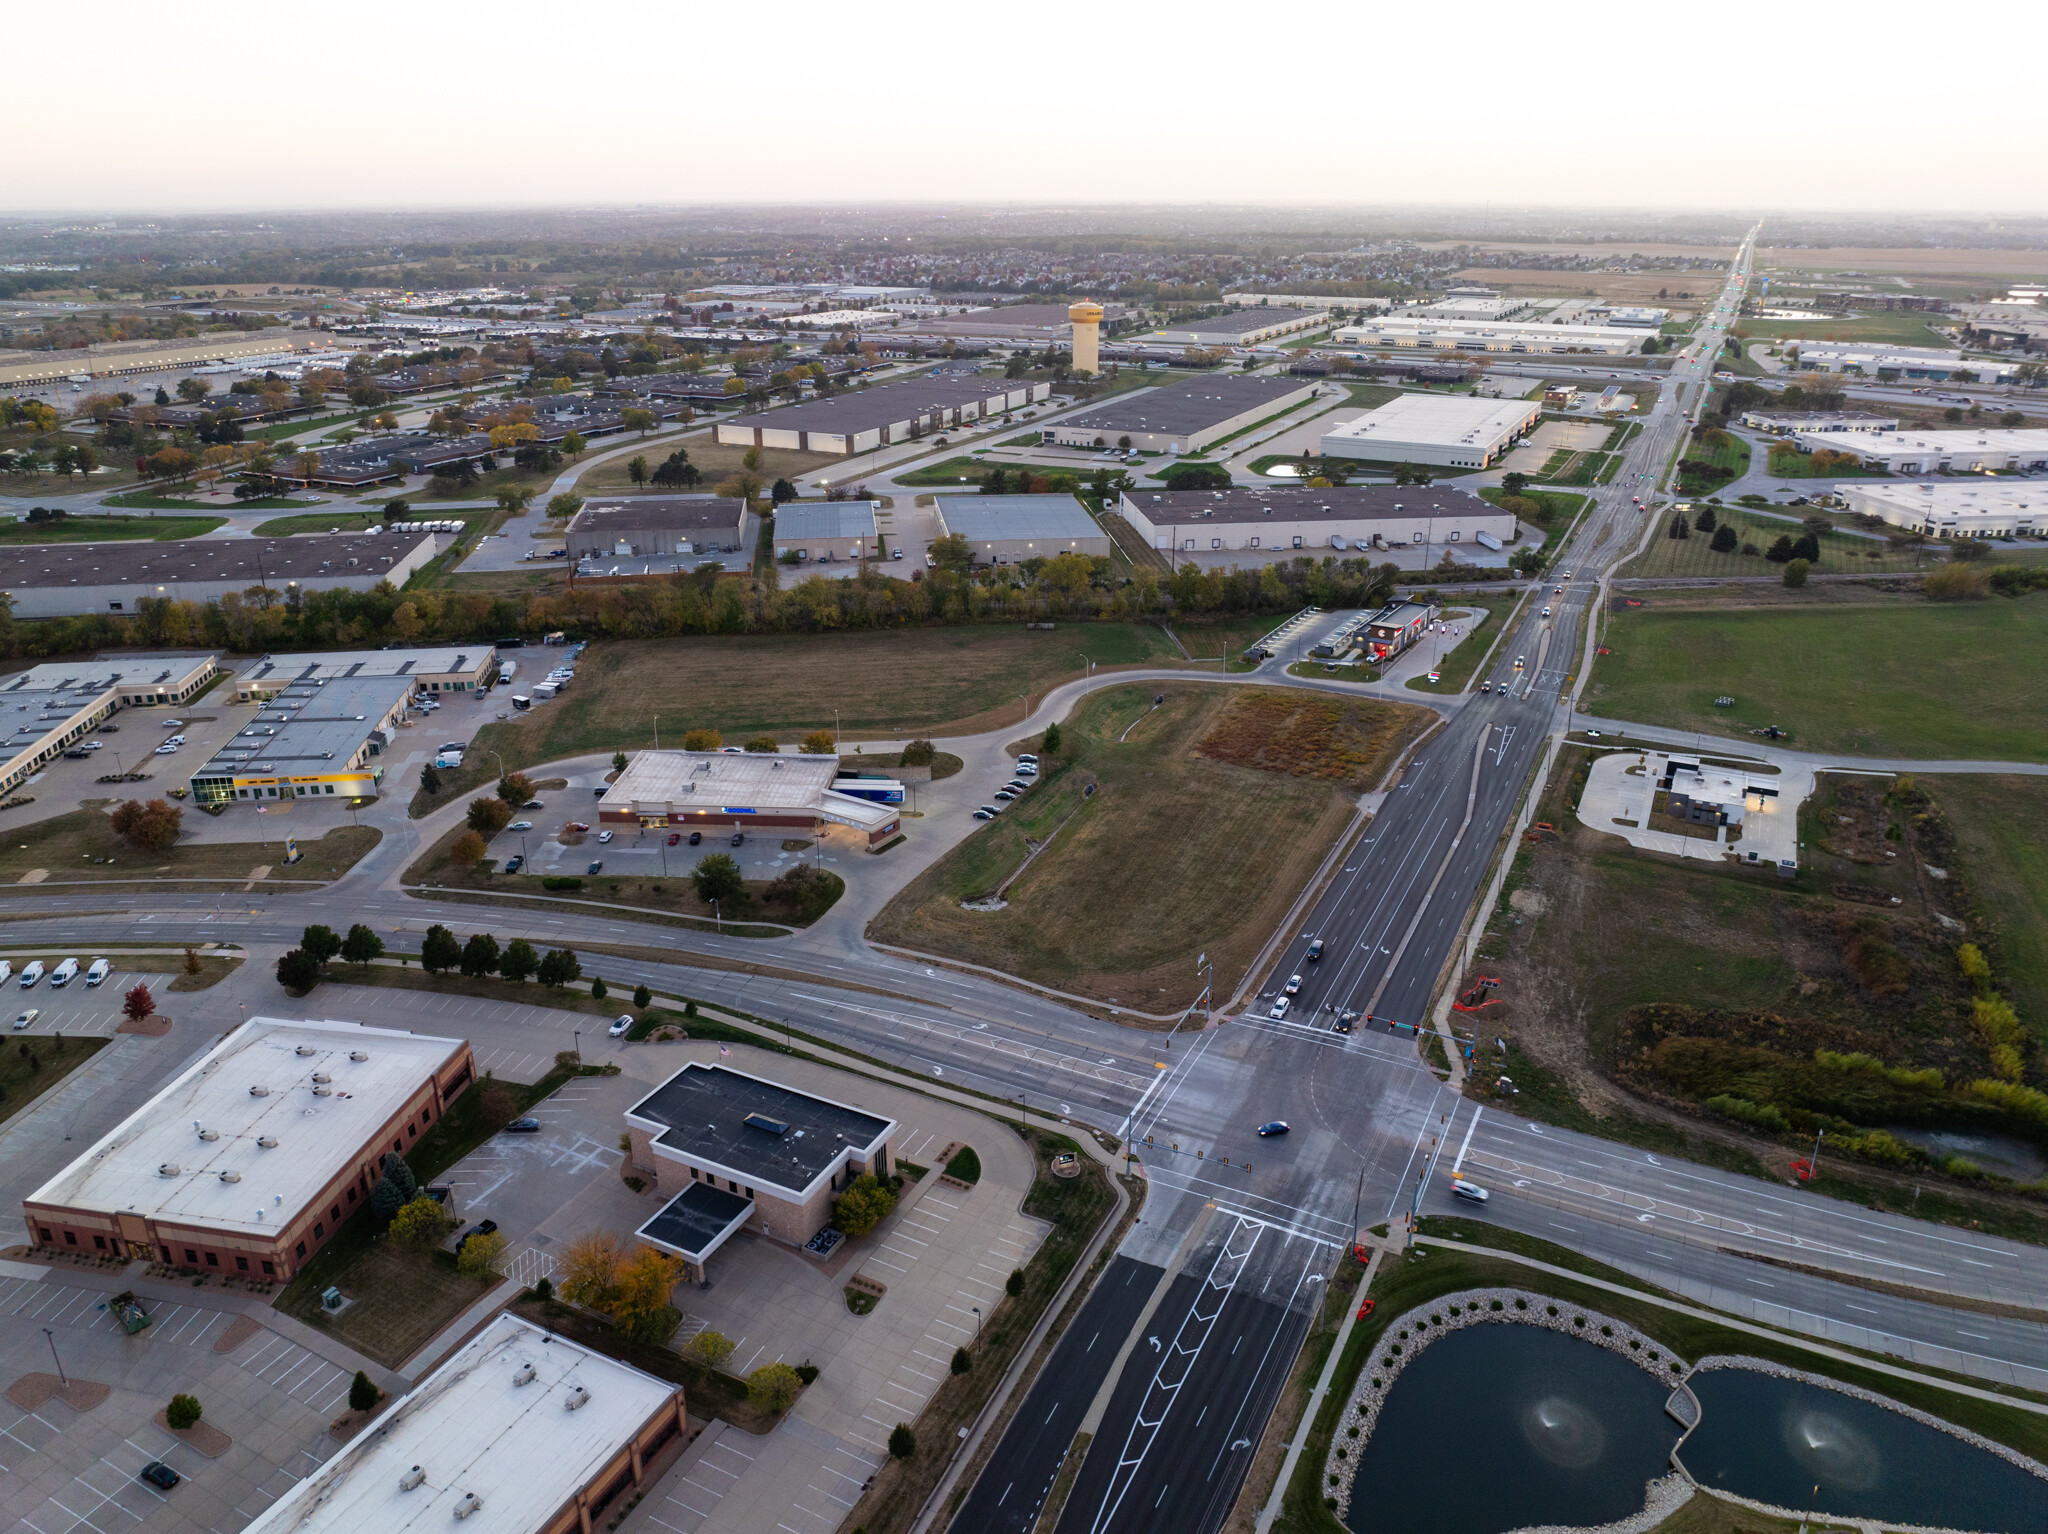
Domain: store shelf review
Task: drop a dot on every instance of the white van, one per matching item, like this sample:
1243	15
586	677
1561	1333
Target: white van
522	704
31	973
97	974
6	970
63	974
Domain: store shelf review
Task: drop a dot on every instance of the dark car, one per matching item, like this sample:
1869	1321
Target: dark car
1277	1127
598	792
1315	950
160	1475
696	838
596	866
523	1127
1346	1021
482	1228
739	838
514	863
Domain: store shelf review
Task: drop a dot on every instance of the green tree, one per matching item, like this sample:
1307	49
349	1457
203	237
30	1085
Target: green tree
963	1361
480	956
320	942
773	1388
709	1348
1013	1286
363	1393
1050	745
952	552
420	1224
618	761
1679	527
636	469
717	878
519	962
902	1441
514	499
439	950
481	1256
184	1410
488	816
1967	550
1806	547
819	743
1780	551
864	1205
430	778
362	945
642	997
762	745
573	444
1514	482
1703	519
564	505
559	967
1724	539
298	971
1795	572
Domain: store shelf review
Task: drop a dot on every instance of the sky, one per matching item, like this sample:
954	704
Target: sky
433	103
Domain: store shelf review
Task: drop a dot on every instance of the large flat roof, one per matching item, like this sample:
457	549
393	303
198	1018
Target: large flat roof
1185	407
85	678
1253	504
670	513
697	1220
2018	439
859	410
156	1163
249	561
716	779
831	521
702	1115
1239	321
310	729
1004	518
339	665
473	1429
1442	420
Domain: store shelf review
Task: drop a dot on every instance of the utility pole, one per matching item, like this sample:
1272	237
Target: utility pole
52	1336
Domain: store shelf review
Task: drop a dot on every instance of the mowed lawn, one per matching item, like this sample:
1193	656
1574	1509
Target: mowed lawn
2001	825
1175	854
1908	679
1839	552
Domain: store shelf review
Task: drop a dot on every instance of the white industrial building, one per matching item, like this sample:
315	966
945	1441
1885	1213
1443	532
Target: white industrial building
1971	509
1486	309
1184	417
1009	529
1241	327
50	708
1454	431
1489	336
1987	450
822	531
1631	317
1926	362
1791	422
1263	519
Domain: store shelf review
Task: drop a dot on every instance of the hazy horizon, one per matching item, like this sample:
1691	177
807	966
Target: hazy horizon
633	105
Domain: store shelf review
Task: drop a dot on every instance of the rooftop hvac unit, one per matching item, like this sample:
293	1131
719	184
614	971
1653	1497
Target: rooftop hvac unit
231	1177
304	1049
323	1091
169	1169
359	1055
525	1375
209	1134
578	1398
259	1090
268	1142
322	1077
470	1503
412	1480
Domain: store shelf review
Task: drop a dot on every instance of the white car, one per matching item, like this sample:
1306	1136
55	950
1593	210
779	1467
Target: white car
1470	1190
1279	1008
174	724
603	837
165	751
620	1025
520	825
27	1017
1293	987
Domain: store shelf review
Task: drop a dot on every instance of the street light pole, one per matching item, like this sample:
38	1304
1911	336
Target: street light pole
576	1034
52	1336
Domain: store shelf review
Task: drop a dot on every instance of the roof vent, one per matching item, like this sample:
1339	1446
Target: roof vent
412	1480
321	1077
578	1398
209	1134
470	1503
323	1091
359	1055
259	1090
525	1374
268	1142
231	1177
169	1169
303	1049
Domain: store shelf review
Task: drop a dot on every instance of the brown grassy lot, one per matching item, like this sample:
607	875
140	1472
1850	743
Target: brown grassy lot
713	462
401	1299
33	1063
67	846
1181	849
1620	287
1976	265
945	681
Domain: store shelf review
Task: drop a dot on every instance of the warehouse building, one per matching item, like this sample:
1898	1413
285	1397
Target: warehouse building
1535	336
1489	309
1455	431
1786	423
466	668
1032	324
1009	529
248	1162
1354	518
1984	509
113	359
68	579
50	708
645	526
746	1153
819	532
861	420
1183	417
1989	450
1241	327
520	1426
311	739
1922	362
739	791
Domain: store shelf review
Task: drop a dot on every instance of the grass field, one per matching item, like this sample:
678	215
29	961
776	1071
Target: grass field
951	472
1906	678
1839	552
1731	462
1206	820
1790	463
67	847
713	462
882	684
1904	328
1371	396
1457	667
2001	825
36	1062
144	500
95	529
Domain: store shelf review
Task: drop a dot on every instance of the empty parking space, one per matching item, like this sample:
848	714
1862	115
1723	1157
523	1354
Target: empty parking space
78	1009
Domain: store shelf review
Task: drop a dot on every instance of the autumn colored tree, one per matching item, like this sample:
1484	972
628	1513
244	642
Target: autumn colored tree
515	788
640	1302
702	740
151	827
819	743
489	816
481	1256
421	1224
587	1272
138	1004
467	850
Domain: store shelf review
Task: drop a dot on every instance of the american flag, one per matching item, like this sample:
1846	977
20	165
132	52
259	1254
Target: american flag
723	1050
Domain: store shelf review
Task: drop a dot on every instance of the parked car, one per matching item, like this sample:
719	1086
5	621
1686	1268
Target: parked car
174	724
984	814
514	863
596	866
28	1018
993	809
1005	795
486	1227
674	837
603	837
63	974
160	1475
620	1025
598	792
576	825
96	975
696	838
739	838
6	971
31	972
520	825
523	1127
166	751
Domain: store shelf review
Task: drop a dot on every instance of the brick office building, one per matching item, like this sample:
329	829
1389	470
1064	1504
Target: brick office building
249	1161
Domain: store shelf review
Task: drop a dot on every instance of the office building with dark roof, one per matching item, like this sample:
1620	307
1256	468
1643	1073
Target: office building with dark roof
1259	520
1009	529
859	421
660	527
68	579
745	1153
1183	417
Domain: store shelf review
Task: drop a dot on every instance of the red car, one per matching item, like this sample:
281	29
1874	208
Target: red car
576	825
674	837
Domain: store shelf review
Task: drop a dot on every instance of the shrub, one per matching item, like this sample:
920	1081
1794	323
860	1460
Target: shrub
420	1224
1975	967
151	827
963	1361
481	1255
702	740
773	1388
598	990
902	1442
819	743
965	1165
864	1205
363	1393
138	1004
552	883
642	997
1957	583
710	1348
919	753
183	1412
1013	1286
1796	572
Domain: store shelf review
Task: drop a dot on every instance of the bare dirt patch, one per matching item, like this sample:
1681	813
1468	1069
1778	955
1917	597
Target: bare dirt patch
33	1391
1307	737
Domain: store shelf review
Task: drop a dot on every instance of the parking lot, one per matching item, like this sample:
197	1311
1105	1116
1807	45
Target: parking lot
128	743
64	1471
637	854
76	1008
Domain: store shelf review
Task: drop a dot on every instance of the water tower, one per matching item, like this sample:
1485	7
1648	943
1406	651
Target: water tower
1087	318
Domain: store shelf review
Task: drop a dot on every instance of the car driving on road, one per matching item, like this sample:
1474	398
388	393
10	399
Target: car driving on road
1279	1008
